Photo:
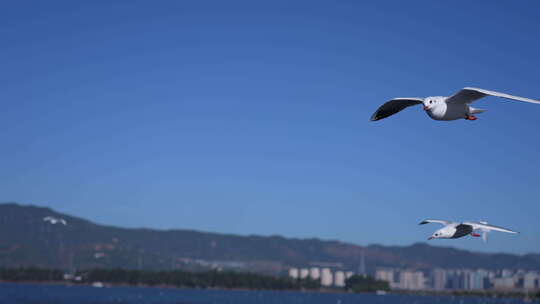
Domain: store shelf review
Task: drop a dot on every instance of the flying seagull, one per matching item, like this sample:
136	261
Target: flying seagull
452	107
54	220
453	230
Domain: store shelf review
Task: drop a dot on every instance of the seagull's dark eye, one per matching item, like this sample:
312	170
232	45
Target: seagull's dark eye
430	101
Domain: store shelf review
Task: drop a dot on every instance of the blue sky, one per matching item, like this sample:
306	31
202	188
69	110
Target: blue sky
252	117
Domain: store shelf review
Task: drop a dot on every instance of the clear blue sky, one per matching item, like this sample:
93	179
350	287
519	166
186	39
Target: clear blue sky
252	117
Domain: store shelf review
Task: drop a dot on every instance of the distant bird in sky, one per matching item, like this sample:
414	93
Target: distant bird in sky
453	230
54	220
452	107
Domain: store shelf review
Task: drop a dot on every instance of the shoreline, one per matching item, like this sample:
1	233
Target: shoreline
527	296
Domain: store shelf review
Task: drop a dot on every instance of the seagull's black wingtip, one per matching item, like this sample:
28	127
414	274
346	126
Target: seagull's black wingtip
423	222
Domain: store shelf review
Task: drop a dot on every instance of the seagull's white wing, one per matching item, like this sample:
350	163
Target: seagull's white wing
393	106
435	221
480	226
469	95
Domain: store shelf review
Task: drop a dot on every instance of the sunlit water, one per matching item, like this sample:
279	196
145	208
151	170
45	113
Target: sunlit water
52	294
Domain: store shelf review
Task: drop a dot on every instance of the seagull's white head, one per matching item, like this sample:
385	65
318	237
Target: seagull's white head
442	233
430	103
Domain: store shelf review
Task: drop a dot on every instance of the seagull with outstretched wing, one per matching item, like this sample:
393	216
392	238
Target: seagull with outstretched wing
54	220
452	107
453	230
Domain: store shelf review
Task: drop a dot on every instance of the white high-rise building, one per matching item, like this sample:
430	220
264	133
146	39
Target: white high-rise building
315	273
476	279
531	280
506	273
439	279
349	274
304	273
387	275
411	280
293	273
339	278
466	278
326	277
504	283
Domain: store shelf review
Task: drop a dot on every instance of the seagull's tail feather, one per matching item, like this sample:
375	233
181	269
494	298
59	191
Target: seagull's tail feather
485	236
476	111
484	231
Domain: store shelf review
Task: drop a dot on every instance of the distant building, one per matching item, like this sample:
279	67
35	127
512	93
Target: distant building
412	280
438	278
454	279
326	277
506	273
460	279
349	274
304	273
385	275
477	279
293	273
504	283
339	278
315	273
531	280
466	277
362	266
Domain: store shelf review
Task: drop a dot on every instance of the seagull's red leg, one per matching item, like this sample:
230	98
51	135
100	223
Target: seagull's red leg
475	234
470	117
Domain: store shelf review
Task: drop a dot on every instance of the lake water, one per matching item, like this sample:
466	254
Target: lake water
53	294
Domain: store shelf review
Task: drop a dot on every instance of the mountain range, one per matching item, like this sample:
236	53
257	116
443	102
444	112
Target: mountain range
26	239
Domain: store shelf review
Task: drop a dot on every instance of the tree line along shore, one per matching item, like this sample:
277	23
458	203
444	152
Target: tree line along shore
218	280
183	279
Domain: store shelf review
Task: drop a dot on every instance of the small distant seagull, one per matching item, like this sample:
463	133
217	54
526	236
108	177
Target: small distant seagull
54	220
453	230
452	107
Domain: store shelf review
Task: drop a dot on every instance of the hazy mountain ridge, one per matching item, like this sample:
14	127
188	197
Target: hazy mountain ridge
25	239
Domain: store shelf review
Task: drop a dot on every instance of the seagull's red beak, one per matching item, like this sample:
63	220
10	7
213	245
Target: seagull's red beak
430	238
426	108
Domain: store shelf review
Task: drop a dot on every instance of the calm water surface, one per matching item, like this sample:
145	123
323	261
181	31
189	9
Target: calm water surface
51	294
